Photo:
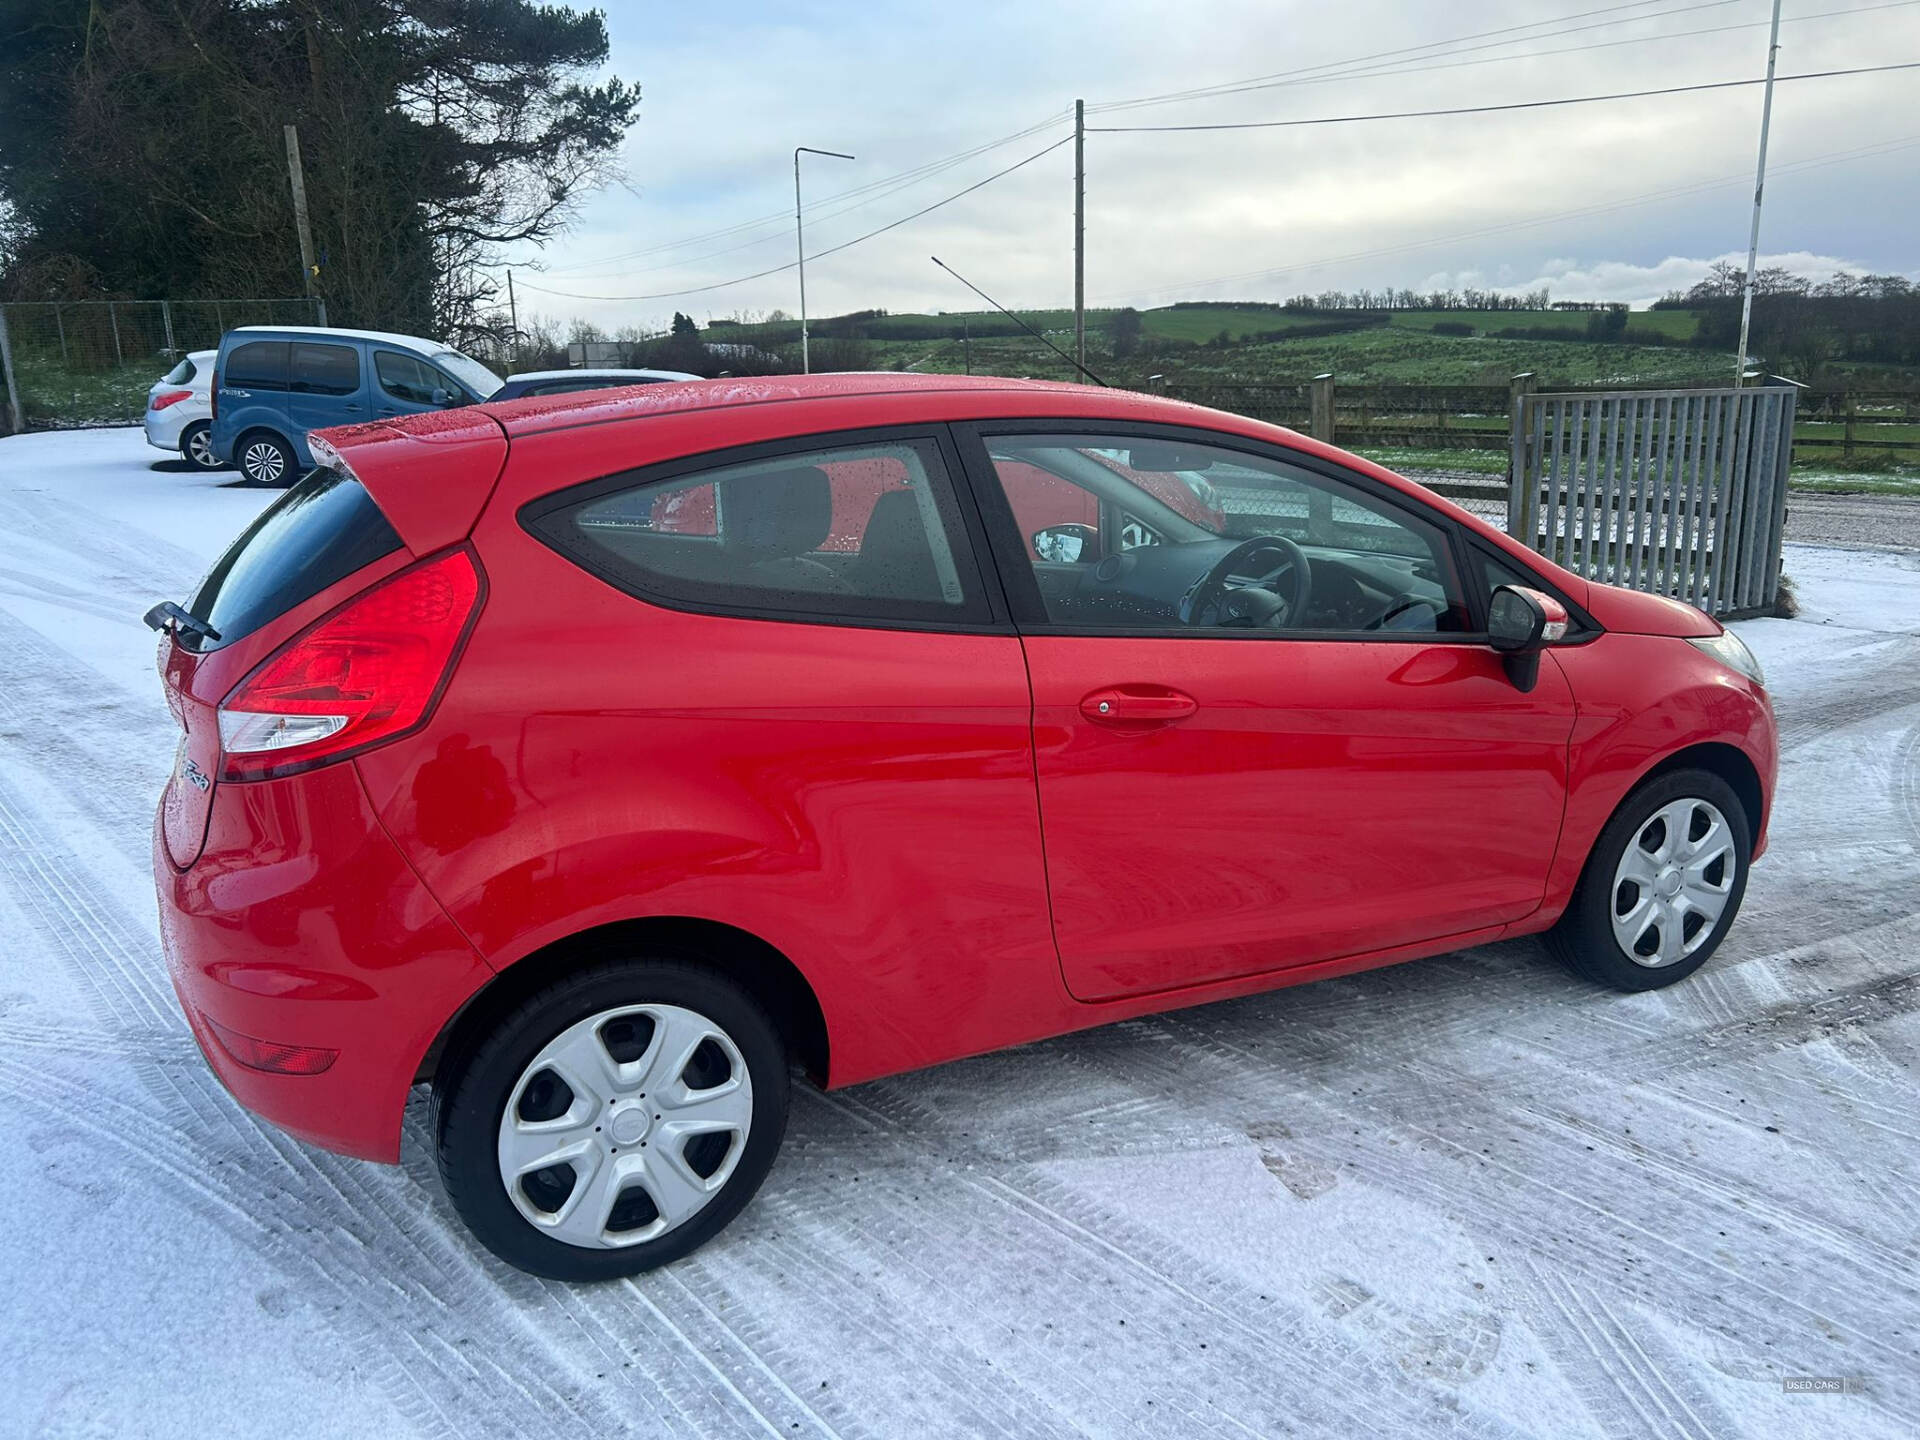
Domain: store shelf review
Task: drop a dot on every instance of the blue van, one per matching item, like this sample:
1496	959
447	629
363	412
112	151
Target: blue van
272	384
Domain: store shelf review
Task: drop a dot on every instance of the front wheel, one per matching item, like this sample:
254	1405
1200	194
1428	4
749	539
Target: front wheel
614	1121
1662	885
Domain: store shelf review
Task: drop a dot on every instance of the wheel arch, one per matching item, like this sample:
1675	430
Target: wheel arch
1731	764
763	971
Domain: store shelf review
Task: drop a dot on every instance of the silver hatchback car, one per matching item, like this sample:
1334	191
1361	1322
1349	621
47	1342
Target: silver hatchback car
179	414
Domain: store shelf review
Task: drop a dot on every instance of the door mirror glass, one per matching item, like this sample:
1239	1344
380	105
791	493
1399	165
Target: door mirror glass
1064	544
1521	620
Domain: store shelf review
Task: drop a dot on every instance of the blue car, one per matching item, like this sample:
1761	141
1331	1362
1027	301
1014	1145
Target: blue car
273	384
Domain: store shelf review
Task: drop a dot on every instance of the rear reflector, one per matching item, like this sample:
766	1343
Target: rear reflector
168	397
266	1055
366	674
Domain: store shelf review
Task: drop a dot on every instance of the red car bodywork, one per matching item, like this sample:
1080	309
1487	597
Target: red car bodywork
863	808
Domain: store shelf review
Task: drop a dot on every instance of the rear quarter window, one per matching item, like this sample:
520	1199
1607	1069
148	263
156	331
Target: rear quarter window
257	365
319	532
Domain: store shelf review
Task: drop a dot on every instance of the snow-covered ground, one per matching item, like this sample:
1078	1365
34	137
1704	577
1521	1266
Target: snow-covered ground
1467	1196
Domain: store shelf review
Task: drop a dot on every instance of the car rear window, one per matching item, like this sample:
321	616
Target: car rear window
319	532
180	374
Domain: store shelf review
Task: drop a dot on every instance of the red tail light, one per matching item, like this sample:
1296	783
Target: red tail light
213	395
369	672
168	397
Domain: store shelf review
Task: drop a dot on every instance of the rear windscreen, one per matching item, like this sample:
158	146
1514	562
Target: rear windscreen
180	374
321	531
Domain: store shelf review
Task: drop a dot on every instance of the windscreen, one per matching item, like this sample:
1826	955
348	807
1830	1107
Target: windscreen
469	372
321	531
180	374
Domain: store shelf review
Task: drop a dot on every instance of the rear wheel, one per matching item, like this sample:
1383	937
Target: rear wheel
1662	886
196	447
614	1121
266	459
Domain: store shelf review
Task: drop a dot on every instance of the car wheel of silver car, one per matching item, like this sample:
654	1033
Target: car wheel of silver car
196	447
613	1121
1663	884
266	459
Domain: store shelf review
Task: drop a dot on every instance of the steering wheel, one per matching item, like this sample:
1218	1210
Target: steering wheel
1258	563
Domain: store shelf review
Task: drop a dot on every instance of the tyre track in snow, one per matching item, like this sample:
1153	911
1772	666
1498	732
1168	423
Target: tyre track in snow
254	1169
1373	1395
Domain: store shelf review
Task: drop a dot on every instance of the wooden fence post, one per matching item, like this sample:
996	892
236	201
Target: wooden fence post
1847	446
14	402
1518	508
1322	426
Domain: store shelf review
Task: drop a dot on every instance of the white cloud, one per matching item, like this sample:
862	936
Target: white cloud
1517	197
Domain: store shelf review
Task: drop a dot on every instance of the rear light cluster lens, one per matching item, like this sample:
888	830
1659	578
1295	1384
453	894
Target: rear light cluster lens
267	1055
168	397
366	673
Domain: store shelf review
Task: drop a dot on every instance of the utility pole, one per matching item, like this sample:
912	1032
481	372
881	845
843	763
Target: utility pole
513	322
1080	234
1759	186
800	247
309	266
966	342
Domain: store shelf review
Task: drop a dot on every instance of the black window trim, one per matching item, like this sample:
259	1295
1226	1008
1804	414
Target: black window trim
984	612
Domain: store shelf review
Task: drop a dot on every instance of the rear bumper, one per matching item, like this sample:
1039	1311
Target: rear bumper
300	924
164	427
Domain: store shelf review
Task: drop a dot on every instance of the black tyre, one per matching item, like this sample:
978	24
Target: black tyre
1662	886
196	447
614	1121
266	459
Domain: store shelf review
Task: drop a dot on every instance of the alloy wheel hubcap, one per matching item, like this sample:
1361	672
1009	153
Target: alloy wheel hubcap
626	1125
1673	883
264	462
200	449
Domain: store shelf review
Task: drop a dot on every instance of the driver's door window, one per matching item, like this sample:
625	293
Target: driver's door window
1149	535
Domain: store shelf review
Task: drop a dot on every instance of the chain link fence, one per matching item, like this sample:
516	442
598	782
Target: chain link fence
66	364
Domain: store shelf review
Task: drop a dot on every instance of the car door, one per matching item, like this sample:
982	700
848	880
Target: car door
1254	781
325	386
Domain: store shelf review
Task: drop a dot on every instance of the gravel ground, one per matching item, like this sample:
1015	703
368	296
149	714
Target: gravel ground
1884	522
1471	1196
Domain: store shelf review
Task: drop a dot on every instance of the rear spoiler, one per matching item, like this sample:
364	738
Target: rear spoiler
430	474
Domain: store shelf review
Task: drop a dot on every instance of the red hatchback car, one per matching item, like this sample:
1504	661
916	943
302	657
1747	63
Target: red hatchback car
596	761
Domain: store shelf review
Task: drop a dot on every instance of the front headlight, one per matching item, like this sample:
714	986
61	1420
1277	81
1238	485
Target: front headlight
1731	651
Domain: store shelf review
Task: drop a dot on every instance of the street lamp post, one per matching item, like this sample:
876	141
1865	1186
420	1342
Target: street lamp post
800	246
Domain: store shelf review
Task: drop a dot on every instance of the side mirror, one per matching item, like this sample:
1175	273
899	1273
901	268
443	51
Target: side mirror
1065	544
1522	622
444	398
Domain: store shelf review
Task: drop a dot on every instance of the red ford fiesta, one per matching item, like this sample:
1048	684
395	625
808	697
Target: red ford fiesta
596	761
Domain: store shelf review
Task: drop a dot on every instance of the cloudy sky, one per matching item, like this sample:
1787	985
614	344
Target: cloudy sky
1619	201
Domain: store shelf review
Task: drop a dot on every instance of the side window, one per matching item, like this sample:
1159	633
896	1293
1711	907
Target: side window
1147	534
858	532
325	369
404	377
257	365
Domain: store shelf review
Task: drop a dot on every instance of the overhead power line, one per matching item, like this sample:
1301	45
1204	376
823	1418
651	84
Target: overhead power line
862	194
1288	77
1415	66
820	254
1492	109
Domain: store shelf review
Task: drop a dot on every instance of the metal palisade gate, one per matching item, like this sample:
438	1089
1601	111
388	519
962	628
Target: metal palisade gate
1678	492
